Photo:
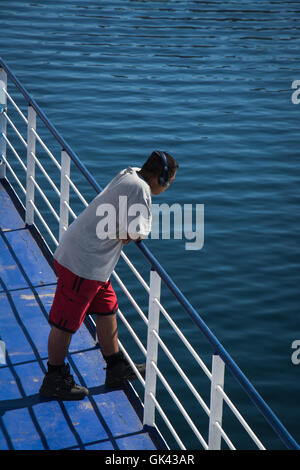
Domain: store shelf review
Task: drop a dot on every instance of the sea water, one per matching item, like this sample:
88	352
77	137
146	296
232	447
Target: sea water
211	83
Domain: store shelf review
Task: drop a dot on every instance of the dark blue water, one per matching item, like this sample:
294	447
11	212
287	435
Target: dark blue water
210	82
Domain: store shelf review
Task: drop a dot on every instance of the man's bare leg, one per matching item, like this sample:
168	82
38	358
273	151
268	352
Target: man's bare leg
58	346
107	332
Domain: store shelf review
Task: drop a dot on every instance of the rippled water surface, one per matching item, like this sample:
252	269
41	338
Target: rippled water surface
210	82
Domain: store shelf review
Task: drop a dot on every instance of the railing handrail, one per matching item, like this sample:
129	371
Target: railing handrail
51	128
221	351
218	349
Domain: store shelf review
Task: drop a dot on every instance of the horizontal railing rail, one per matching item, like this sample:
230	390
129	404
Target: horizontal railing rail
151	319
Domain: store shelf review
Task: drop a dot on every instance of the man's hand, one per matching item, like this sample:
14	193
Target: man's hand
127	240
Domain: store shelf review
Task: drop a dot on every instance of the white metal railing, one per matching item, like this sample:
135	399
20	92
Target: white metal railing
151	319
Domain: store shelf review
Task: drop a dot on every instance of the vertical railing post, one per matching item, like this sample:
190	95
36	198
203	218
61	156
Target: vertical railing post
3	107
64	193
31	141
152	349
216	403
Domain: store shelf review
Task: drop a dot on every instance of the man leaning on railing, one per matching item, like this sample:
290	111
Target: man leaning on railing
84	260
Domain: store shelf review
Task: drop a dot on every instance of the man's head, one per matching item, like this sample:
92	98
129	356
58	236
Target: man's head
155	172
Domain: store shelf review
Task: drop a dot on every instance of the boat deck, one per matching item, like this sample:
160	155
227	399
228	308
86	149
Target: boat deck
105	420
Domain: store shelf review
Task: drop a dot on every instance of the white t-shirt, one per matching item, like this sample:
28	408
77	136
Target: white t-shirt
90	247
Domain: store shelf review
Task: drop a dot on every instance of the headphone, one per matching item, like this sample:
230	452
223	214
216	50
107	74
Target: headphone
163	179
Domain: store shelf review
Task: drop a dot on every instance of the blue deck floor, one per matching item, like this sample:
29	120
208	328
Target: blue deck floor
105	419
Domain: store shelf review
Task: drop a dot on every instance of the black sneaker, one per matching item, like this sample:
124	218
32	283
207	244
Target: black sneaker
117	374
62	385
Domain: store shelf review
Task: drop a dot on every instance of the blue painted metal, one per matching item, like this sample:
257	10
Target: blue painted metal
103	420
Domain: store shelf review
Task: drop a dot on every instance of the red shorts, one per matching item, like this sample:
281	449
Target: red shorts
75	297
